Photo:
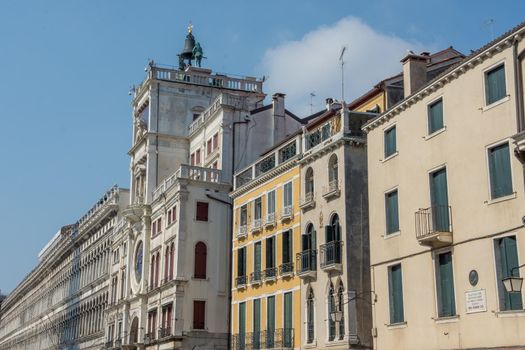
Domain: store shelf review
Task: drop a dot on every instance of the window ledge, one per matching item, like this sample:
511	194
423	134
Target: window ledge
390	157
312	345
497	103
397	325
510	313
446	319
391	235
501	199
435	133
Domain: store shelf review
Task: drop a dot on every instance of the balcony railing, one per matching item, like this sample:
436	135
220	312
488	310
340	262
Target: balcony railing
434	226
118	343
332	190
306	263
164	332
308	201
331	255
243	230
255	277
282	338
286	269
149	338
256	225
270	219
286	212
270	273
240	281
109	344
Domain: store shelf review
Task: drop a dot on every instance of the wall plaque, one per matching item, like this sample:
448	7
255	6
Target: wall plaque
475	301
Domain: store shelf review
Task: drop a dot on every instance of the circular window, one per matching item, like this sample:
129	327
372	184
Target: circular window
138	262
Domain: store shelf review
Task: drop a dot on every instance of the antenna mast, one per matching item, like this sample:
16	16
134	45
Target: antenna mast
341	59
312	95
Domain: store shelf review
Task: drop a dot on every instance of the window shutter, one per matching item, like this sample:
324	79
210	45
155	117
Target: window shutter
257	258
509	260
242	318
396	295
270	322
256	316
198	314
286	247
446	284
435	116
392	213
329	233
495	84
500	173
202	211
305	242
200	260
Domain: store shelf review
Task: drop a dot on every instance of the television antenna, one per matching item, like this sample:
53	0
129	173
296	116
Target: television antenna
489	23
312	95
341	60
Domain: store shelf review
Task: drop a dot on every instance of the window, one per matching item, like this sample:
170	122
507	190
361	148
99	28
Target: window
310	320
200	260
445	285
166	320
152	324
287	195
209	148
156	227
309	181
287	152
152	271
287	247
195	115
244	215
139	253
288	318
172	215
241	265
392	212
257	260
331	311
122	284
499	169
202	211
198	156
341	309
270	209
270	271
216	141
439	201
506	254
435	116
257	208
395	294
332	170
199	307
390	141
242	322
495	88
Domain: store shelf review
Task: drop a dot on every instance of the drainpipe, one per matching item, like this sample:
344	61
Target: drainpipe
518	85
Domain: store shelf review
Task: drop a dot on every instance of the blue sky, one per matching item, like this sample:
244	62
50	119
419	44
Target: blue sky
66	68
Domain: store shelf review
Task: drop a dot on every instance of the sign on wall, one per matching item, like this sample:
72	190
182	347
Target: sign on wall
475	301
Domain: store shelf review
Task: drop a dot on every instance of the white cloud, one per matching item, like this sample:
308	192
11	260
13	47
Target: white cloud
311	64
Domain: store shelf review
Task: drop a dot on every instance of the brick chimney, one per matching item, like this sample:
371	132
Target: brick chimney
414	72
278	118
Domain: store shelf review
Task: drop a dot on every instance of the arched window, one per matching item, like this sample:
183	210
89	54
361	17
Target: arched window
310	317
134	331
333	231
331	313
309	182
157	269
167	260
152	271
332	172
172	260
341	309
200	260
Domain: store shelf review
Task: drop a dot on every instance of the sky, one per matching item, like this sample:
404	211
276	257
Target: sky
66	68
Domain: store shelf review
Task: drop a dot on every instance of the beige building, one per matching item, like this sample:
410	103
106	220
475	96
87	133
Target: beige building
447	204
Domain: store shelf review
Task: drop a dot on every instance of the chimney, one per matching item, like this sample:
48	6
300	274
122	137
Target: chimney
278	104
414	72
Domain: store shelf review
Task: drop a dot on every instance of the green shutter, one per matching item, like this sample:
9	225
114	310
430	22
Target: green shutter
288	317
435	116
495	84
242	318
270	314
241	260
257	257
500	174
390	141
337	231
447	304
392	212
270	252
286	247
396	294
271	202
508	255
439	200
256	323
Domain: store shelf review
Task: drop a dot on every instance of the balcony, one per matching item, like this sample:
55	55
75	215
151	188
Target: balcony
164	332
240	281
434	226
269	274
519	146
286	269
286	213
331	256
118	343
282	338
243	231
308	202
255	278
257	225
306	264
332	191
149	338
270	220
109	344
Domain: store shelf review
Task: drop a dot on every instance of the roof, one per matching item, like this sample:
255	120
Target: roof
465	60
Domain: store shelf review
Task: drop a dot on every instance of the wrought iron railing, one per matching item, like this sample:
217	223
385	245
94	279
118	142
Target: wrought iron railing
282	338
164	332
270	219
306	261
118	342
432	220
286	269
255	277
240	281
331	253
286	212
109	344
308	199
257	224
269	273
243	229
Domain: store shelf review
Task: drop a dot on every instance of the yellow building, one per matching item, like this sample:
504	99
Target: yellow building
266	292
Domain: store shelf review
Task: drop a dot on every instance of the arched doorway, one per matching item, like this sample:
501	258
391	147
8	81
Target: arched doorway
134	331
